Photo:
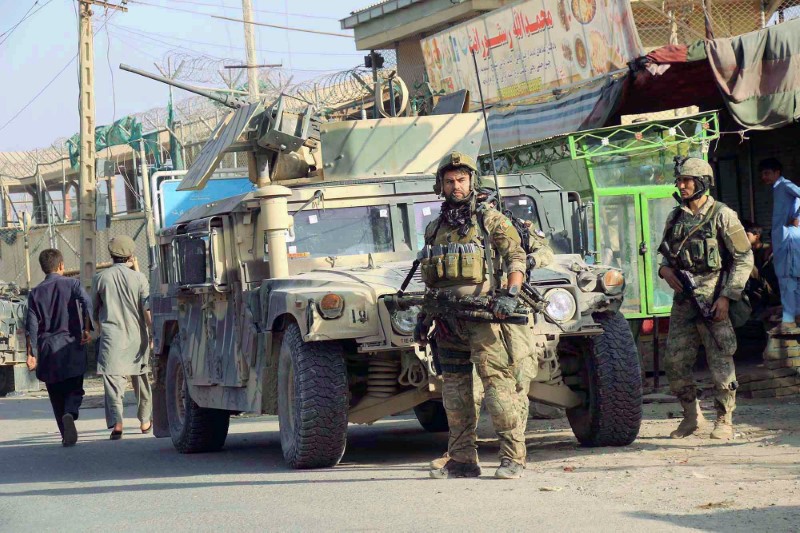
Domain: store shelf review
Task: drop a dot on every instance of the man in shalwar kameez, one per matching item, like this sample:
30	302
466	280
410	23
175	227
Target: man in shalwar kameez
119	299
785	241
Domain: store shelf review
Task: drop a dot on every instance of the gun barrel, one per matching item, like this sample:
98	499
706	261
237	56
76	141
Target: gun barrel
224	99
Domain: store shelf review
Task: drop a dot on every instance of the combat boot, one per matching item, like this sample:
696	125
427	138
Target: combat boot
439	462
723	427
509	469
692	419
454	469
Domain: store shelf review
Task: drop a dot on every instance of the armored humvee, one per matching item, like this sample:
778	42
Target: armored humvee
283	300
14	375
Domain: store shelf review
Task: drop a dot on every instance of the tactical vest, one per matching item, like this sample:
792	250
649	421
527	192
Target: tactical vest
451	260
694	245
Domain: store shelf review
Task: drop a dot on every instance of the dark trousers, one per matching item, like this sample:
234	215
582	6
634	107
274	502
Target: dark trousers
66	397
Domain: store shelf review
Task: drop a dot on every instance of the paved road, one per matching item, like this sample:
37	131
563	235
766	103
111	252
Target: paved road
141	483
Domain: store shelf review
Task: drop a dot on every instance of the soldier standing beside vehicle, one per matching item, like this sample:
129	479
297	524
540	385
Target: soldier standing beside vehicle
704	239
119	296
516	337
461	229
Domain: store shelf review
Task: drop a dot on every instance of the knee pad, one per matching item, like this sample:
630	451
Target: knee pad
502	410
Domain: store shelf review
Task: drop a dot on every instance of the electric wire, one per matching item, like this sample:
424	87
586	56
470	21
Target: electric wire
218	45
299	15
9	32
49	83
290	28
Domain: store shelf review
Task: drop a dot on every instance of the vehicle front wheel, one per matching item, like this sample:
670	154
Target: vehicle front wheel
432	416
193	429
312	401
612	383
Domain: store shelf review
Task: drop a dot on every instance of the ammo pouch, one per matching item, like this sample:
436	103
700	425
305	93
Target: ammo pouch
739	311
452	264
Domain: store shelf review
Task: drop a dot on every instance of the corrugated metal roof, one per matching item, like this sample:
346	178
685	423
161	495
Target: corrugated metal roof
373	11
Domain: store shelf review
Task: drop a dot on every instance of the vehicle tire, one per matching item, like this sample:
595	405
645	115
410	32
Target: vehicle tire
612	382
432	416
312	401
193	429
6	380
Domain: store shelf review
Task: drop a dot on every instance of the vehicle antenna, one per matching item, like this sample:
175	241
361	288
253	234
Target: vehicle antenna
486	123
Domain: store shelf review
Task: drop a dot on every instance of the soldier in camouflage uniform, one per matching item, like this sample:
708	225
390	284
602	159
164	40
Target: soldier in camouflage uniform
463	344
517	337
705	238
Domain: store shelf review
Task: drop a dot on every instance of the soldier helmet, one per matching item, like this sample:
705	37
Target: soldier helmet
699	170
451	161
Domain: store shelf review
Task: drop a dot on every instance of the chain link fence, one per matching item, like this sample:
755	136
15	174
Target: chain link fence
661	22
19	252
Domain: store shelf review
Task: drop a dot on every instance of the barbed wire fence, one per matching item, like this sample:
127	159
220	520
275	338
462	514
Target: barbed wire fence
665	22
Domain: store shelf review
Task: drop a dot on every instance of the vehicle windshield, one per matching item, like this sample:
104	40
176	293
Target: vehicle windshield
341	231
522	207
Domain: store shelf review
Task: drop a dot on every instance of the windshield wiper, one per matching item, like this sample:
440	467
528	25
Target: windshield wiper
318	195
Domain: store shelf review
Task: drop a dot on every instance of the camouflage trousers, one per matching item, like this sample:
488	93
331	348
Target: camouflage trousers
503	384
686	333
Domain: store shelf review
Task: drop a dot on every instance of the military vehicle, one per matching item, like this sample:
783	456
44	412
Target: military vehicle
284	300
14	375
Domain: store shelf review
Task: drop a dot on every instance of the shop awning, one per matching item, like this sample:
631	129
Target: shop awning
756	76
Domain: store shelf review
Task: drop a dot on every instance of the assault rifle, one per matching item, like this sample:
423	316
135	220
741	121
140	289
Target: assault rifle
700	305
441	303
445	304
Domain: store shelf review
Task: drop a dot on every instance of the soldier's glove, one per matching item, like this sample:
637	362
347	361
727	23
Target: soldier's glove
421	330
531	260
505	305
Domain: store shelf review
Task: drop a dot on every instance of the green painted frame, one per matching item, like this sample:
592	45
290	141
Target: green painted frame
589	146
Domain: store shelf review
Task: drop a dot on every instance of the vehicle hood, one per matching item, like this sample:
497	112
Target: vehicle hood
383	278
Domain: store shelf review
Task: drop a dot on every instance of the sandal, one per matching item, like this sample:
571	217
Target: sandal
116	435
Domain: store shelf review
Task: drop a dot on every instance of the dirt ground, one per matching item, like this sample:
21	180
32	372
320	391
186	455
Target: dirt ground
691	482
656	484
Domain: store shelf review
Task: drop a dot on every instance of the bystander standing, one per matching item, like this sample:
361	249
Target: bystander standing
762	287
785	241
119	296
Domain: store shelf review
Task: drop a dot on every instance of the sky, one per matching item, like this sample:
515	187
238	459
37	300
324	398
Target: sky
32	54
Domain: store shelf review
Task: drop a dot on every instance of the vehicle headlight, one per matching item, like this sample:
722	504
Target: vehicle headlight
405	321
331	306
612	282
561	304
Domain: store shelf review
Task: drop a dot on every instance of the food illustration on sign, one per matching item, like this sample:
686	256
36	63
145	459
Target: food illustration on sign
566	49
563	14
584	10
599	52
580	52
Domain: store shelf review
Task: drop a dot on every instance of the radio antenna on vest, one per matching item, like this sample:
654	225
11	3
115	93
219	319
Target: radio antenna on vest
486	123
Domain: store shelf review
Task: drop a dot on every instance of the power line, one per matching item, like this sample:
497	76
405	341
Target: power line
276	26
32	100
171	46
7	34
111	72
300	15
217	45
304	30
49	83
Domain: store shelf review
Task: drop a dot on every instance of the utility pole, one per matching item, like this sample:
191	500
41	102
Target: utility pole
88	178
148	206
250	44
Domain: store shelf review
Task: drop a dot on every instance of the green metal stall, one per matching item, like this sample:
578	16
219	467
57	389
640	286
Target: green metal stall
624	175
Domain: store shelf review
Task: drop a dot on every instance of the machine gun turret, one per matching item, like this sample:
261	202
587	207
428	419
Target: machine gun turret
283	144
225	99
